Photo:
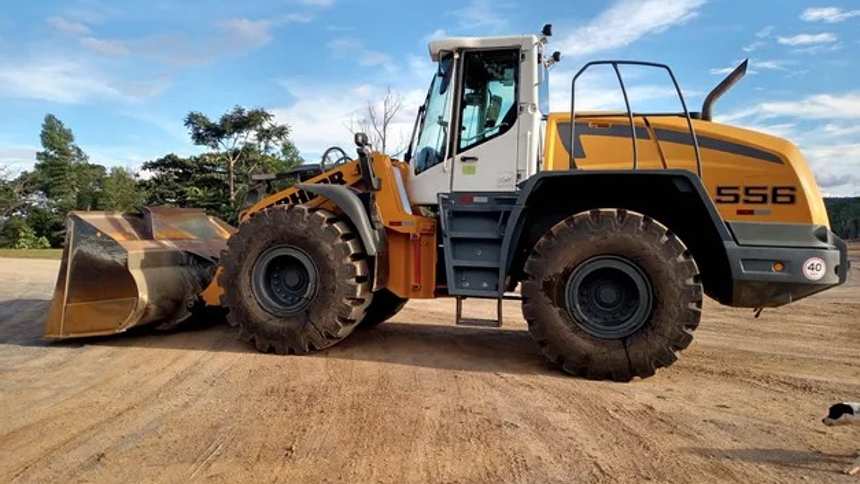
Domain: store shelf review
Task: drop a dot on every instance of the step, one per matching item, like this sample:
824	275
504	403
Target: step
477	322
487	264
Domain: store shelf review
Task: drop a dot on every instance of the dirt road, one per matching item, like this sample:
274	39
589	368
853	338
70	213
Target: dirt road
420	400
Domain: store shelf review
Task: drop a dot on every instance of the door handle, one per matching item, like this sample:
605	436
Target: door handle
468	159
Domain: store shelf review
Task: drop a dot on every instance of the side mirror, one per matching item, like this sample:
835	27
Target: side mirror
361	140
547	30
554	59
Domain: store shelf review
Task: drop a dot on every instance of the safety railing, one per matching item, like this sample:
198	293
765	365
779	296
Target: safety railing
630	114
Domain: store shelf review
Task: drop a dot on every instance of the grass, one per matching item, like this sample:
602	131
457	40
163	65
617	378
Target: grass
32	253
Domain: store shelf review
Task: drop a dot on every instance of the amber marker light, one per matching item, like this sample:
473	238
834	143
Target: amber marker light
778	267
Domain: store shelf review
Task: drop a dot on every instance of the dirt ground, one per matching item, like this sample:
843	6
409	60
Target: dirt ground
419	400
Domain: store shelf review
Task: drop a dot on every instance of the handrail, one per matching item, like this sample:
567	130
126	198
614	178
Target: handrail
630	114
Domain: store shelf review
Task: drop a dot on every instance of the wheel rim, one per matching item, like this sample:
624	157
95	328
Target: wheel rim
285	280
609	297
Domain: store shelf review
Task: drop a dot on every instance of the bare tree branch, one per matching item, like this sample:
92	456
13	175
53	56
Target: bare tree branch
377	120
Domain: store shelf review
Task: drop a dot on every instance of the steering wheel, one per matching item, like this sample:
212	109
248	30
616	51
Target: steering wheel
332	157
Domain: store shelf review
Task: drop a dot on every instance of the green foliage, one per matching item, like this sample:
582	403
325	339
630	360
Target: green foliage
9	231
188	182
10	196
88	184
844	216
54	173
47	223
27	239
121	191
17	234
62	180
244	141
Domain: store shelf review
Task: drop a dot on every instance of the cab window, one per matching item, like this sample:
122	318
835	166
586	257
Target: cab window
433	127
488	106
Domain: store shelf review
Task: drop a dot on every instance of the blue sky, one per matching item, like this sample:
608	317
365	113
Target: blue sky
122	74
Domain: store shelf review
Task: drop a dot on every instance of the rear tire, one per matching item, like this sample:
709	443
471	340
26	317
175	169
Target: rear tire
295	280
383	306
611	294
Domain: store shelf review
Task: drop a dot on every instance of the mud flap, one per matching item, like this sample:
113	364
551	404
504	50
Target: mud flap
124	270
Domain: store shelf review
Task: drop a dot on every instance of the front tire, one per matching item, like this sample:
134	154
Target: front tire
611	294
295	280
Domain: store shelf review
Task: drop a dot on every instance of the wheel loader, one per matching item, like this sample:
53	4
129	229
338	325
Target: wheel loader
610	227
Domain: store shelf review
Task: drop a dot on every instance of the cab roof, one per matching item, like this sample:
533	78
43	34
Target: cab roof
450	44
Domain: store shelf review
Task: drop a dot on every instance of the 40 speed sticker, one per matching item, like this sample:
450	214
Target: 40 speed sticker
814	268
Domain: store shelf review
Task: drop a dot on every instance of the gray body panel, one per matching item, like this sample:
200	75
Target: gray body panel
757	284
768	234
473	227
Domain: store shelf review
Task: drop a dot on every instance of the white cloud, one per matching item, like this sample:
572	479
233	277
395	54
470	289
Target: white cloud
722	71
755	66
301	18
835	166
816	49
828	179
15	157
250	33
354	48
436	34
772	65
113	48
60	81
755	45
321	113
765	32
818	106
837	130
598	91
68	26
761	37
829	15
317	3
627	21
808	39
482	14
831	149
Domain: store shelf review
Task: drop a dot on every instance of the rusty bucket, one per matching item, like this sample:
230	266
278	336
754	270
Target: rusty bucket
124	270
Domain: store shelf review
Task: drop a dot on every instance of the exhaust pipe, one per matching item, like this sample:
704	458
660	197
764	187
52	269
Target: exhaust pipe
727	83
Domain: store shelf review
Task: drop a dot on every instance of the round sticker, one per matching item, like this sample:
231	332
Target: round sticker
814	268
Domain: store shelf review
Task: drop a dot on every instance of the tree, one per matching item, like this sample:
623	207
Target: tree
376	122
242	138
54	172
11	193
88	185
121	191
188	182
27	239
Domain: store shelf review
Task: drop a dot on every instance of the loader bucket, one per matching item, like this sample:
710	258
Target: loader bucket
124	270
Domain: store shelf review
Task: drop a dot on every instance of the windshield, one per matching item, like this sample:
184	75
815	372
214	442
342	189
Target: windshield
433	127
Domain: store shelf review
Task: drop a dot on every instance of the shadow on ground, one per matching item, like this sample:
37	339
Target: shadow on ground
21	321
796	459
421	345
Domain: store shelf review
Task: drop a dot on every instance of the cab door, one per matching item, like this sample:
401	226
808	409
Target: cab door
485	145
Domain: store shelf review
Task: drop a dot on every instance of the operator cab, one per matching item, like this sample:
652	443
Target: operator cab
477	129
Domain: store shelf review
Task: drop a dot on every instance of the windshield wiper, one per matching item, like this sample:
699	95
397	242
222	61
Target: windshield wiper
408	156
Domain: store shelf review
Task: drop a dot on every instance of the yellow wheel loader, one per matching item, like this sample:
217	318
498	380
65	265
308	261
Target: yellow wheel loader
609	226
